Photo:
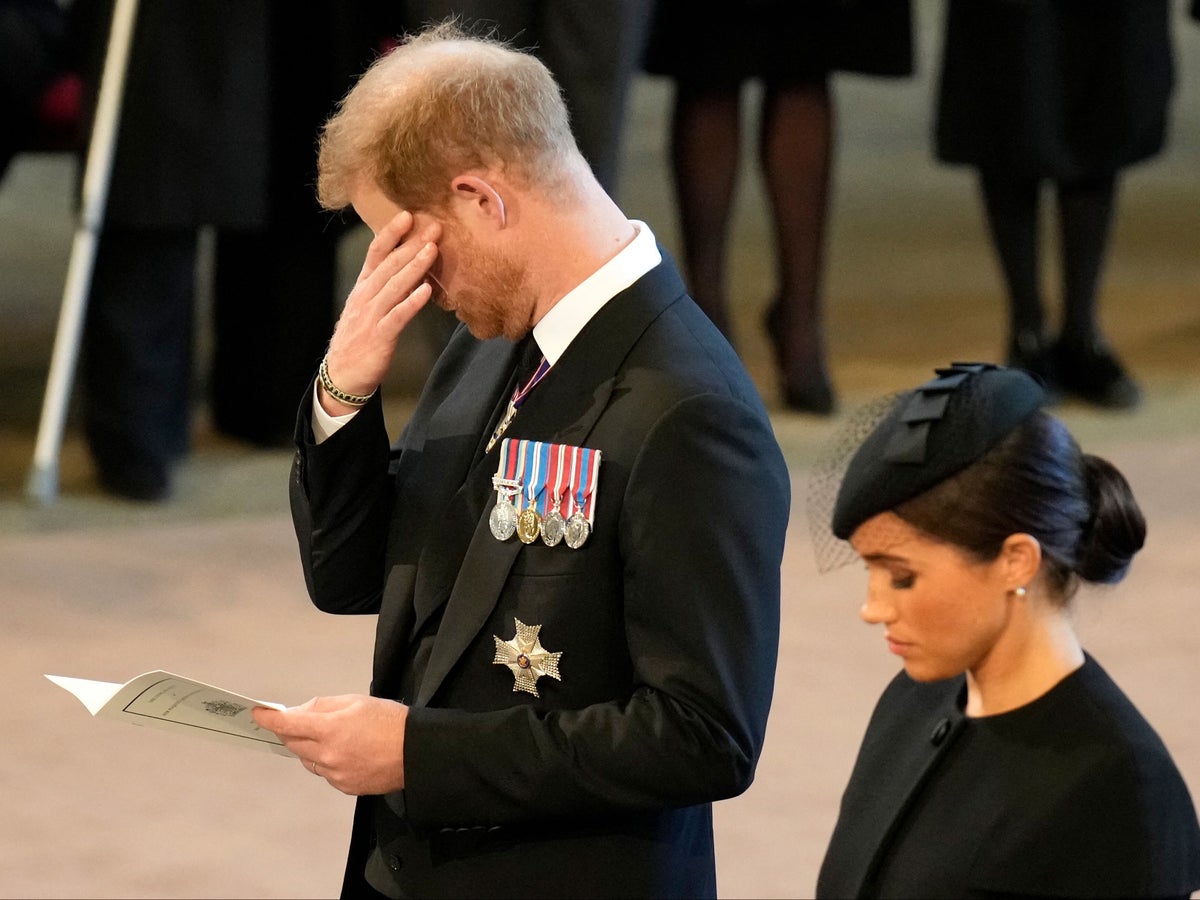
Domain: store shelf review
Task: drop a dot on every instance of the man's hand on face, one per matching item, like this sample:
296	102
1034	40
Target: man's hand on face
391	289
354	742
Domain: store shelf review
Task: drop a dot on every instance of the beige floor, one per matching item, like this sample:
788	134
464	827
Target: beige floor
209	585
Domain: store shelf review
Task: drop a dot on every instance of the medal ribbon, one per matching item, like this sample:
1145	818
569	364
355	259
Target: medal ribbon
510	467
584	481
574	479
554	475
588	487
507	466
521	473
534	451
566	482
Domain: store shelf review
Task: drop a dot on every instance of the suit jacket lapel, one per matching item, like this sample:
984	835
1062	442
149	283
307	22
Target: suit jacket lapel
563	408
445	452
445	526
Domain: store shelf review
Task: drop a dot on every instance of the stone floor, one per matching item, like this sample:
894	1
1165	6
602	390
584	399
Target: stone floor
209	585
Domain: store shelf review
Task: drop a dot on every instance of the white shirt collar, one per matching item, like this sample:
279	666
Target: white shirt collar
567	317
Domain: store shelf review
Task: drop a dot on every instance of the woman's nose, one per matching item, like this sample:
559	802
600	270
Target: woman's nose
877	608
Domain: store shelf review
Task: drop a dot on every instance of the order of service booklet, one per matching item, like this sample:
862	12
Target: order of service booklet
175	703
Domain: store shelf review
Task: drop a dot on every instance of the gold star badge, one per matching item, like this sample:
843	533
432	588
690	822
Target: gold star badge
527	658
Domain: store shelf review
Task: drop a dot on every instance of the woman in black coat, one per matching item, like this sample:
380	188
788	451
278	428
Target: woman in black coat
1003	760
1070	93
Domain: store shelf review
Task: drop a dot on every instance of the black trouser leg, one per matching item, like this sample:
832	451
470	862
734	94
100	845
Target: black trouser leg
136	364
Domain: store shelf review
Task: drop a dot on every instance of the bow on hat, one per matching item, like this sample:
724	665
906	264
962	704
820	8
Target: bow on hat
931	433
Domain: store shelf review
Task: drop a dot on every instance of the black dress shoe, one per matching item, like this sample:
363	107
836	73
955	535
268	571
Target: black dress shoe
814	394
1091	371
1030	352
143	483
815	398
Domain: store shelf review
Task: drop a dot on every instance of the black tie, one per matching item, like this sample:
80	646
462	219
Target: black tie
529	357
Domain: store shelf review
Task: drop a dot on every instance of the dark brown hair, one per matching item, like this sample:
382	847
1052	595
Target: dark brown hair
1037	481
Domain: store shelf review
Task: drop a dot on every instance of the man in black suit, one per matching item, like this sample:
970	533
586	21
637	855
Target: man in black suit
550	713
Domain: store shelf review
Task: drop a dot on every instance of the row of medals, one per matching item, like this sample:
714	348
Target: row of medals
528	524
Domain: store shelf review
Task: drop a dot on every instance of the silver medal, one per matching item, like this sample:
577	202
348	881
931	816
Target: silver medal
503	518
554	526
577	530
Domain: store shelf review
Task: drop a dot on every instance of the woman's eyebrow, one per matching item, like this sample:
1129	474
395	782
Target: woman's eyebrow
883	558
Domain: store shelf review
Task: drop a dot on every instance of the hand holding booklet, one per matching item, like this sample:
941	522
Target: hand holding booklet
175	703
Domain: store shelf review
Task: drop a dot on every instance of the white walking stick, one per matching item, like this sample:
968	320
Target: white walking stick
43	479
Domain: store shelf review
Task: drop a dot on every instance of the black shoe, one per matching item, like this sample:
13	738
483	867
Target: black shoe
1029	351
815	394
815	398
1091	371
142	483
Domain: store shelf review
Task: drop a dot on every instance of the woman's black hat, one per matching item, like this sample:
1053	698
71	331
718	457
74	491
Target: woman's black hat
931	433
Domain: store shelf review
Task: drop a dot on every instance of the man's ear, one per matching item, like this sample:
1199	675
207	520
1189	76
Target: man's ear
1022	559
481	197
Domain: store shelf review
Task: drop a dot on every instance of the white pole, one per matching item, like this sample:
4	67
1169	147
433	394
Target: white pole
43	479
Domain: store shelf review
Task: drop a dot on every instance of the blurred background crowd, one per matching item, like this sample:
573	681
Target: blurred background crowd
216	279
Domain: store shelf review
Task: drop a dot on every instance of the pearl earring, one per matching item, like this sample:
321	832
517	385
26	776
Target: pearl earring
1019	591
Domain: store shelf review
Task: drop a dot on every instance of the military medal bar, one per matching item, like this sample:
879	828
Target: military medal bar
545	490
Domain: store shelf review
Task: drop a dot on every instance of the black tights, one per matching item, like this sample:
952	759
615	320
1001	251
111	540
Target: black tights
1085	209
795	150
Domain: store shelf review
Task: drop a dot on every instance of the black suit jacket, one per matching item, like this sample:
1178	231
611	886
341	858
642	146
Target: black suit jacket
667	618
1073	795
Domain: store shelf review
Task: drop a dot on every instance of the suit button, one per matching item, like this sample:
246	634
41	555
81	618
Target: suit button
939	732
395	862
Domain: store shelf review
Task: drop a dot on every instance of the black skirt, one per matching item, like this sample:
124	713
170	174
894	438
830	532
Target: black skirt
1054	88
779	40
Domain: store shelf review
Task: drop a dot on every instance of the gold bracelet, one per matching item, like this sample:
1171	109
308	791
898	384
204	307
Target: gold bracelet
337	393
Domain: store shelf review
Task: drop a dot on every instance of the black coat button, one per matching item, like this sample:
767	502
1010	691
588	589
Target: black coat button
939	732
395	862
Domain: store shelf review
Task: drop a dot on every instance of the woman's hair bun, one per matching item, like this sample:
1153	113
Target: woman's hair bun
1116	529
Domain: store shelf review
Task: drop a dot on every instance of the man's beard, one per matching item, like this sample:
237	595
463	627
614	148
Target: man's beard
495	299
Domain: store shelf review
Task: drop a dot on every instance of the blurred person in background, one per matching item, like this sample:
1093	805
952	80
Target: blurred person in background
793	50
221	103
1065	94
32	53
